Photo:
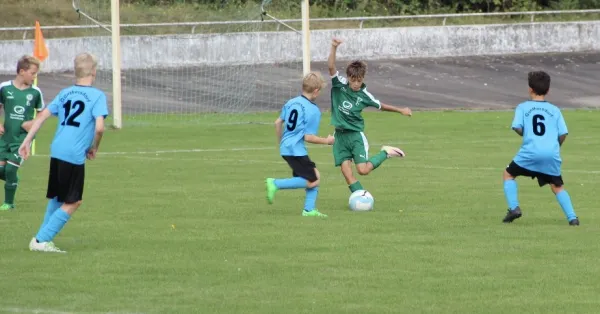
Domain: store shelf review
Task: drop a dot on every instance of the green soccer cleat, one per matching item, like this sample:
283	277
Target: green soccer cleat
6	207
271	189
313	213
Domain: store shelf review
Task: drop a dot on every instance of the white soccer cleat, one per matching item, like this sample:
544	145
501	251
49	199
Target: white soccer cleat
44	247
393	151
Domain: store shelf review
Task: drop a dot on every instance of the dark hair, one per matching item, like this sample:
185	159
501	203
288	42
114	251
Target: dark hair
539	81
356	69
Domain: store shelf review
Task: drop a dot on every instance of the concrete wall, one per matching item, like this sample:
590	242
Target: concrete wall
379	43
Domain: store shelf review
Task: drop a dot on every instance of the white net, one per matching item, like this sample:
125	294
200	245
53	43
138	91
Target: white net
194	66
193	71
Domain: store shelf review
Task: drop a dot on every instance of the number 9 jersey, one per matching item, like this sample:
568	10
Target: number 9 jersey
300	117
77	108
542	124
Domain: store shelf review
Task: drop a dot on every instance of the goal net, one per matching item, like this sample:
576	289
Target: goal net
181	63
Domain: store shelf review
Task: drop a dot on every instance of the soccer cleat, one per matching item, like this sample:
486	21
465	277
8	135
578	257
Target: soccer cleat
44	247
512	215
574	222
271	189
6	207
393	151
313	213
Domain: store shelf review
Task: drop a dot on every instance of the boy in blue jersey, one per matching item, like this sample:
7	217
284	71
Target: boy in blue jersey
81	110
543	128
299	122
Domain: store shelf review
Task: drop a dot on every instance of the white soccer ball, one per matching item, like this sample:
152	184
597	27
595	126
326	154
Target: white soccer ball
361	200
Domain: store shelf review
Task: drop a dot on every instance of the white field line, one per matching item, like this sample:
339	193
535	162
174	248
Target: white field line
321	162
47	311
431	143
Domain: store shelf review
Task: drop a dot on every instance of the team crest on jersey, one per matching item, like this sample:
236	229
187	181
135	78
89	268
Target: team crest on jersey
19	110
29	99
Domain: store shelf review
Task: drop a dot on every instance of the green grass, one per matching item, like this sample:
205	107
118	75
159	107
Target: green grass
60	12
190	232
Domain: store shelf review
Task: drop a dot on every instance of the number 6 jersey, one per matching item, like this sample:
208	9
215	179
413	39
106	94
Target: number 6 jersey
300	117
542	123
77	108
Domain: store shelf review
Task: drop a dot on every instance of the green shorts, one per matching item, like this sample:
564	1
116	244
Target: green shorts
9	152
350	145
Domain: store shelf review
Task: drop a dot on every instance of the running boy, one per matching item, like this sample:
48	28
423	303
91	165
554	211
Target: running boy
298	123
543	128
349	96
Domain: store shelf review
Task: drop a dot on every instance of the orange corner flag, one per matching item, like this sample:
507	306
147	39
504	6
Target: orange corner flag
40	50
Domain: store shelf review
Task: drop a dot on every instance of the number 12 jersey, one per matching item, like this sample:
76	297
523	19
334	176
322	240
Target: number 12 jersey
77	108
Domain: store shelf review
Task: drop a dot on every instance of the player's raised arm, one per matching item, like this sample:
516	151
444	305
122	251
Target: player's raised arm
331	60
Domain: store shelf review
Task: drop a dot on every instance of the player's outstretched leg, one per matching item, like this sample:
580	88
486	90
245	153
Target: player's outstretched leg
53	205
364	168
564	199
510	192
273	185
43	240
10	186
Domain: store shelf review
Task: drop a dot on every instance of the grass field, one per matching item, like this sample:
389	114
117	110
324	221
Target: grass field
188	230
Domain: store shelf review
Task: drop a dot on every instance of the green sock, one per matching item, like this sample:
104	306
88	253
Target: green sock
355	187
2	173
378	159
9	193
10	186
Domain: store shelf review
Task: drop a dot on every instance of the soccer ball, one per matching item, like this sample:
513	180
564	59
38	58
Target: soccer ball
361	200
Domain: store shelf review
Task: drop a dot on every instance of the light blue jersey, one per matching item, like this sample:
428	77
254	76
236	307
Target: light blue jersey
542	123
300	117
77	108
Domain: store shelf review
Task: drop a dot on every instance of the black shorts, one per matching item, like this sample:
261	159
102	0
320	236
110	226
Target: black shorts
65	181
515	170
302	167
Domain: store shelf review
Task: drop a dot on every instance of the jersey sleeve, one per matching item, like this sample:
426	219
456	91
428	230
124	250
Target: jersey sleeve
282	113
39	102
562	125
338	81
54	106
518	122
312	121
100	108
370	100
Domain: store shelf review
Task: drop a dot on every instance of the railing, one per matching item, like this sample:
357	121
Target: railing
361	20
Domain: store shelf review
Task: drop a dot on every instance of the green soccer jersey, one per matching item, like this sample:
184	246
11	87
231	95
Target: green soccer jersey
347	105
19	106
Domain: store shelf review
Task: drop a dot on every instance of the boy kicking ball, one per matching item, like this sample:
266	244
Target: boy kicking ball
349	96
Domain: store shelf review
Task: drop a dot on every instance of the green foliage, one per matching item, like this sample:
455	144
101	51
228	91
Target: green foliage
396	6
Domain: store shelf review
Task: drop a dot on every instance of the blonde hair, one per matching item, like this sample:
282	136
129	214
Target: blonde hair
313	81
25	62
85	63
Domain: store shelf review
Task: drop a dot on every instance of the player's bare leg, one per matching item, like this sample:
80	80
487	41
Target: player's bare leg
564	199
43	240
353	183
510	192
